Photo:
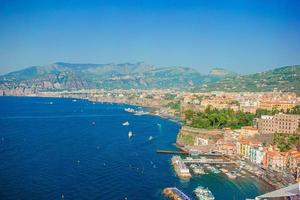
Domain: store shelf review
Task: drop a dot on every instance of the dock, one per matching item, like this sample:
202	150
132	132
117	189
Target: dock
207	161
171	152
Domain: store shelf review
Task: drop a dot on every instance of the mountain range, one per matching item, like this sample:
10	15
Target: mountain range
70	76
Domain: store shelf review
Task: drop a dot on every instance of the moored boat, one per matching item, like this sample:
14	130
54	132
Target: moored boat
203	193
214	170
224	170
231	175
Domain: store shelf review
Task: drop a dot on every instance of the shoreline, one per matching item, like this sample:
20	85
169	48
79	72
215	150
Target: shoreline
151	109
151	112
176	144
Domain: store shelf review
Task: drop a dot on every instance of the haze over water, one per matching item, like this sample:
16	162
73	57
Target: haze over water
81	150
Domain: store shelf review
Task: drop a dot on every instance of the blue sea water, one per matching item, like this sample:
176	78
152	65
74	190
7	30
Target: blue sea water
52	146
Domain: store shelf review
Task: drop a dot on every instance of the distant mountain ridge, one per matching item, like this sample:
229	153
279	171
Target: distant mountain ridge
281	79
74	76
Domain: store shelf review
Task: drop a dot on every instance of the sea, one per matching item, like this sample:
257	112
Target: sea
59	148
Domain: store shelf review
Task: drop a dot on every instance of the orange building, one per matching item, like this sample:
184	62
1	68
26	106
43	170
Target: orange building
269	105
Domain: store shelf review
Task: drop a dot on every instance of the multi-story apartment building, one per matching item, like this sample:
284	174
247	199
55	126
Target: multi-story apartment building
280	105
248	106
279	123
276	160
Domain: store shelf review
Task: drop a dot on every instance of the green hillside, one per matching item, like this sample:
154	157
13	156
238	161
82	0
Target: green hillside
284	79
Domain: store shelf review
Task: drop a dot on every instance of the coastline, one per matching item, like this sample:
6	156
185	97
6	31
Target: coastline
105	102
152	110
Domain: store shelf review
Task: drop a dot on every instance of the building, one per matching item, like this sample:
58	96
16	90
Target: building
293	160
279	105
248	106
279	123
226	148
257	154
201	141
248	131
276	160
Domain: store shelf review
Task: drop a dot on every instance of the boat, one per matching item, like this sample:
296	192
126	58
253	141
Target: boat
126	123
130	134
74	100
203	193
51	102
214	170
150	138
231	175
224	170
129	110
198	171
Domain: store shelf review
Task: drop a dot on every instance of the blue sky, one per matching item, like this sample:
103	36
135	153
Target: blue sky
242	36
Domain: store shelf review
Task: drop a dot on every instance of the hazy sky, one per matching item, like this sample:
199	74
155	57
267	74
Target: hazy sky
242	36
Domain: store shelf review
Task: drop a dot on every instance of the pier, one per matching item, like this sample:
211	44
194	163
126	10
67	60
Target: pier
187	153
171	152
207	161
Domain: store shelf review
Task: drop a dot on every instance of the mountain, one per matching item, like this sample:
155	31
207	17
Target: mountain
220	72
70	76
284	79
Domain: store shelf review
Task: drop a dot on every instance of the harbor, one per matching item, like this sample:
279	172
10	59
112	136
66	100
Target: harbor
141	167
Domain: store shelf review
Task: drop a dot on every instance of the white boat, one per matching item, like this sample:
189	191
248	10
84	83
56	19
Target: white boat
199	171
126	123
150	138
224	170
129	110
231	175
203	193
214	170
130	134
74	100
